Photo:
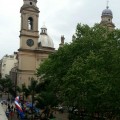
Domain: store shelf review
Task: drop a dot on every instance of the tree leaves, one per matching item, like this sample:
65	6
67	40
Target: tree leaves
85	73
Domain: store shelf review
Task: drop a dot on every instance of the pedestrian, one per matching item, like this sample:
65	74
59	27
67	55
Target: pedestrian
17	114
7	112
11	114
8	107
12	107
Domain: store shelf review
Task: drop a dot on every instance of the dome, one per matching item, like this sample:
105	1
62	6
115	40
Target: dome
45	41
31	1
44	38
107	12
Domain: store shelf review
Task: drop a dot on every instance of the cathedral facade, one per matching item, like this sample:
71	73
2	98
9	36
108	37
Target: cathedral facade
34	46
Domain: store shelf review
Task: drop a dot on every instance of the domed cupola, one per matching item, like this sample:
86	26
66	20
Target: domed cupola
106	18
44	39
107	12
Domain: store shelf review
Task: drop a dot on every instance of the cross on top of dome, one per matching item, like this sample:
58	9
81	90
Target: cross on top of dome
107	4
107	11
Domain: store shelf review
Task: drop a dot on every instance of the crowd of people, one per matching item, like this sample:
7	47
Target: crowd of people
9	109
29	112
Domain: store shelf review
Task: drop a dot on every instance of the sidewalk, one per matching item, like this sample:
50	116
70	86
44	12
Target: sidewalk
3	107
2	113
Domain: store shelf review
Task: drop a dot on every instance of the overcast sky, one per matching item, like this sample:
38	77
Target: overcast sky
59	16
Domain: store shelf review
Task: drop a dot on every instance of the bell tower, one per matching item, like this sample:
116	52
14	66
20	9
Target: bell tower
106	18
29	36
29	33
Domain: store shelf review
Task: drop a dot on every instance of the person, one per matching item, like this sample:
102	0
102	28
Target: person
47	111
8	107
11	114
11	107
14	109
7	112
17	115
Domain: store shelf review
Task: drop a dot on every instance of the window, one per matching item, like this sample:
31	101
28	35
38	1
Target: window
39	44
30	3
30	23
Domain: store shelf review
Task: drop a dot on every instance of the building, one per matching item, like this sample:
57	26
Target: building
34	46
13	72
7	63
106	18
0	68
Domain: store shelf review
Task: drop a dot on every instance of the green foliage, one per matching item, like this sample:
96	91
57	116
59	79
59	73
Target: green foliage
86	72
46	98
6	85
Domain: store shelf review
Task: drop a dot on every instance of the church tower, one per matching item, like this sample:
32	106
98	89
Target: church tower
29	33
29	36
106	18
34	47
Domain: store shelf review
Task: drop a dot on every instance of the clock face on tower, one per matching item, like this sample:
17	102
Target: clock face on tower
30	42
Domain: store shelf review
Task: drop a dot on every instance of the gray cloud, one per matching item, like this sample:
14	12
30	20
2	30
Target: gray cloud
60	17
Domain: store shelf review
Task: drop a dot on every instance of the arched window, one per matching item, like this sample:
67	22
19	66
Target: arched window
30	3
39	44
30	23
108	19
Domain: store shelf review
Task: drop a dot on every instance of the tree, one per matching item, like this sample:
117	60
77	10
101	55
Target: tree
85	73
7	86
31	90
44	96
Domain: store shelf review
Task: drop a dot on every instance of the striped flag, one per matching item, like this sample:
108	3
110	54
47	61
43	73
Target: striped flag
18	107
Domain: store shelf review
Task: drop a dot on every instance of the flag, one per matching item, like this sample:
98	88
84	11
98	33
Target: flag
18	107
